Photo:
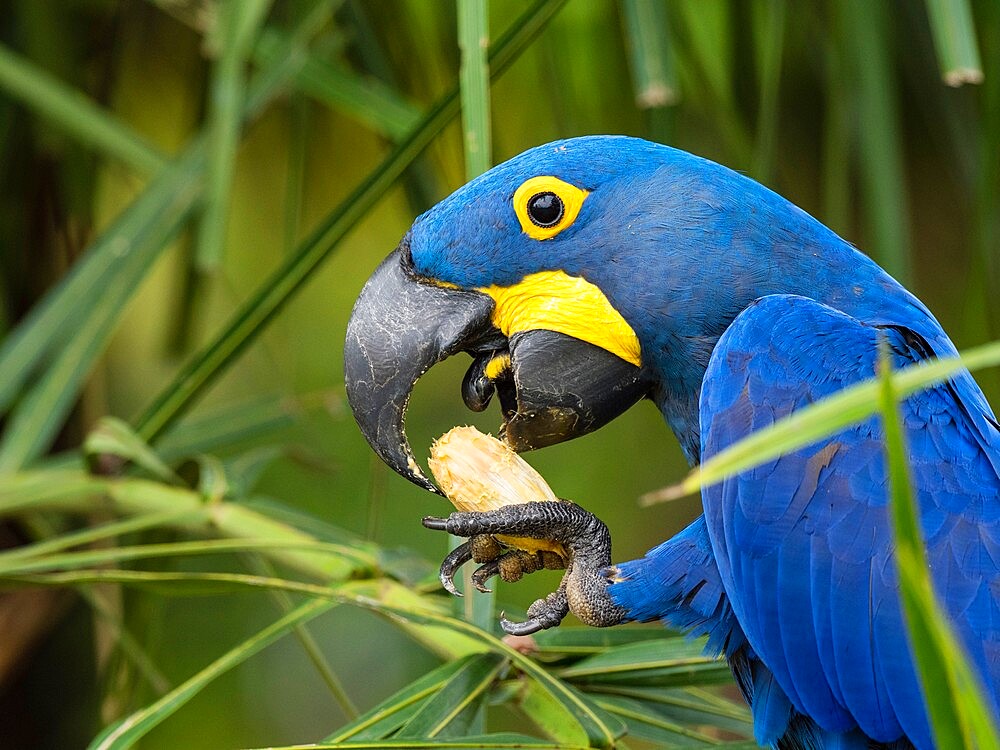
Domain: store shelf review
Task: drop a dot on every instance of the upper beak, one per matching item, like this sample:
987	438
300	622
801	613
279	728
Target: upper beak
555	387
398	329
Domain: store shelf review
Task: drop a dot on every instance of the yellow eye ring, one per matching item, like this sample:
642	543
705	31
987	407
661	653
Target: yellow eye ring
546	205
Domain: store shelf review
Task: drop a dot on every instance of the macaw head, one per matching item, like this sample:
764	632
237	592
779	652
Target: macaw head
581	276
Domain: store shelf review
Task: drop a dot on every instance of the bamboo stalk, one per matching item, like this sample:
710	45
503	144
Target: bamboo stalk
474	82
654	80
883	179
769	28
955	41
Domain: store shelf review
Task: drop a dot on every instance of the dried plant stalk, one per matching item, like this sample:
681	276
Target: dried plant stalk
479	473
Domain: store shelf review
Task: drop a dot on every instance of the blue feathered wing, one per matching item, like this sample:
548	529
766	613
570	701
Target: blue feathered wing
803	544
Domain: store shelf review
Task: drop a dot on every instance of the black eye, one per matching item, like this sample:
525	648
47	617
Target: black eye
545	209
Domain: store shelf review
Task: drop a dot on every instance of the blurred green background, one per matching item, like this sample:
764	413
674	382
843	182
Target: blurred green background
213	138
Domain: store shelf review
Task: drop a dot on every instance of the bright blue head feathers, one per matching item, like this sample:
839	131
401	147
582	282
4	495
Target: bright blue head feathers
678	244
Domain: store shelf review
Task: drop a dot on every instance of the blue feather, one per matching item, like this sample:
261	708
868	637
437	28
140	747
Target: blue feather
678	582
772	711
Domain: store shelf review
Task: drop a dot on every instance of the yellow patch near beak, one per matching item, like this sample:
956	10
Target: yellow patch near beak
497	366
556	301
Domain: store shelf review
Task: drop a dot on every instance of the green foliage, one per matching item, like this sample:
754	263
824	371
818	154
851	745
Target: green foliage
215	180
959	714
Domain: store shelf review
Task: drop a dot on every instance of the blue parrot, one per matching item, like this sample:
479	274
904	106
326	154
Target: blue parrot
591	273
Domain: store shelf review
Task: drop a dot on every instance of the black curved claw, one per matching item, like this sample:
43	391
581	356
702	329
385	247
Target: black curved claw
520	628
433	522
450	565
484	573
542	614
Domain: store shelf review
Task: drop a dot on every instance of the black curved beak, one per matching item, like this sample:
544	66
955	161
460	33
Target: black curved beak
400	327
553	387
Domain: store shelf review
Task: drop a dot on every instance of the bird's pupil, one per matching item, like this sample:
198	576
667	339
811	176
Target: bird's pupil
545	209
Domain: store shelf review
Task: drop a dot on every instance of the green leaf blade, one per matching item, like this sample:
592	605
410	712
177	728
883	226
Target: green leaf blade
826	417
452	710
389	715
237	22
959	715
127	732
77	115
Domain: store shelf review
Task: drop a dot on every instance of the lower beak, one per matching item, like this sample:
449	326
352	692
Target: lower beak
553	388
563	388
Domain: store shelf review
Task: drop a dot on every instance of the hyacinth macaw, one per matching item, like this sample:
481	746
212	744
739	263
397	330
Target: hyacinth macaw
587	274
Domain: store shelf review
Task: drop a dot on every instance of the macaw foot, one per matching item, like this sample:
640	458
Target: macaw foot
584	588
495	560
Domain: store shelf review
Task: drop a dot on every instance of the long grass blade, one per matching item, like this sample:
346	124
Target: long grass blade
129	645
77	492
190	584
127	732
642	654
236	25
419	616
368	100
253	316
82	303
555	718
825	417
686	706
173	191
35	421
113	438
452	711
663	663
140	227
474	81
498	741
110	617
95	557
567	641
394	711
259	565
955	41
60	542
75	114
243	422
595	725
421	182
959	715
644	722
